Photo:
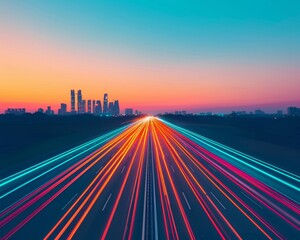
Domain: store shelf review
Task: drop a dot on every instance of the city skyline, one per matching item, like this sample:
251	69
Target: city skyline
155	57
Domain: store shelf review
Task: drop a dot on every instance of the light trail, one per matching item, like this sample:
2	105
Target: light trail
151	180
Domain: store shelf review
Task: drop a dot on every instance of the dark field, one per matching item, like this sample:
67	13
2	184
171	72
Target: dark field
31	138
276	141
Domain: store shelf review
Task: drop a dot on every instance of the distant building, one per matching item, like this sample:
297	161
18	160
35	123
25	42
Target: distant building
259	112
128	111
180	112
137	112
40	110
73	101
89	106
239	113
105	103
63	109
15	111
111	108
79	102
98	108
293	111
116	108
49	111
83	106
94	105
279	113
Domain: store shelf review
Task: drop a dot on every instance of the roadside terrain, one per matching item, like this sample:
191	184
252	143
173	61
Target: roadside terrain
276	141
30	138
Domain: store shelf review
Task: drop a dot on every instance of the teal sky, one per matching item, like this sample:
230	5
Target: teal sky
251	30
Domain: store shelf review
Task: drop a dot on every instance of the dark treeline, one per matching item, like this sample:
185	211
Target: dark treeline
30	138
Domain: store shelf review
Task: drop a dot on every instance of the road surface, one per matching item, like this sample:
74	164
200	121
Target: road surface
150	180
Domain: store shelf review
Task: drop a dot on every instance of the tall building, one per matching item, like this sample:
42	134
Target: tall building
105	103
89	106
116	108
83	106
79	102
49	111
98	108
293	111
111	108
63	109
73	101
94	105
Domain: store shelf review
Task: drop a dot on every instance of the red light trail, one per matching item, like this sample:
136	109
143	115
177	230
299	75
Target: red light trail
150	181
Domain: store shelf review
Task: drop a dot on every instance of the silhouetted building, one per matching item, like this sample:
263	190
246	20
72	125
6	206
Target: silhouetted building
49	111
63	109
83	106
128	111
105	103
94	105
98	108
180	112
89	106
137	112
79	102
293	111
15	111
73	101
259	112
116	108
279	113
111	108
40	110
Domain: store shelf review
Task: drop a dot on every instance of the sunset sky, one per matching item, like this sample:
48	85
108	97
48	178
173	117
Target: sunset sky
154	56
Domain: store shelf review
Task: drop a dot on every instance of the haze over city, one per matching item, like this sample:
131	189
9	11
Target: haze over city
155	56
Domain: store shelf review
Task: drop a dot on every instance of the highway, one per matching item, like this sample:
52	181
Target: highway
151	180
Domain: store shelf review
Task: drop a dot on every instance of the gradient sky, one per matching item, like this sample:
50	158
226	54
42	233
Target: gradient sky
153	55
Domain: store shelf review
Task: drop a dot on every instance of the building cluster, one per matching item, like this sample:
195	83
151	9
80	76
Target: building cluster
82	106
15	111
293	111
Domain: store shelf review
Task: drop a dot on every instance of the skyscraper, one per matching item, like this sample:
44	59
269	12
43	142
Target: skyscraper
98	109
111	108
89	106
79	102
116	108
94	105
72	101
83	106
105	103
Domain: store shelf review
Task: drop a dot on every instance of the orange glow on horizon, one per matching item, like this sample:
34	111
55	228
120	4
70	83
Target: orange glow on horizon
36	72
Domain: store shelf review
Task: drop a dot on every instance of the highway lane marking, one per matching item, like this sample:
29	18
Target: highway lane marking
106	203
187	203
69	201
123	169
99	169
251	200
212	168
154	196
218	200
191	168
172	168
